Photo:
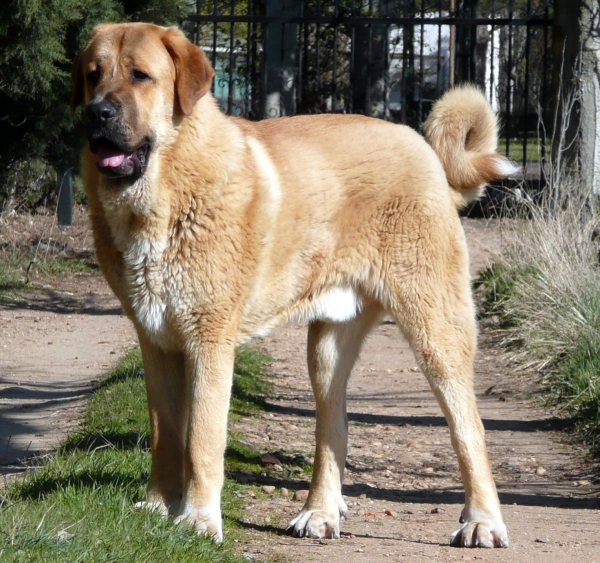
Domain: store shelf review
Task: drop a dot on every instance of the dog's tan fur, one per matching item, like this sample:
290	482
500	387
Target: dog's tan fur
236	227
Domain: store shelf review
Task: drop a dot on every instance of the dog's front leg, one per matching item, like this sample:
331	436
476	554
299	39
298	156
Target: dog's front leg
209	371
167	400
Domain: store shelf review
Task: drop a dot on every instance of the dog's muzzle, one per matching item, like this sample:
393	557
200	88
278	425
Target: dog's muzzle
116	157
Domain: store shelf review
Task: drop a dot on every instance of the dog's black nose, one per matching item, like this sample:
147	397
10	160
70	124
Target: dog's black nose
102	112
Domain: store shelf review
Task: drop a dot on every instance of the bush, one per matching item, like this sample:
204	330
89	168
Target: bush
38	42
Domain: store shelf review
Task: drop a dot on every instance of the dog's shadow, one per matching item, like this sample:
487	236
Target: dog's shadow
445	496
284	532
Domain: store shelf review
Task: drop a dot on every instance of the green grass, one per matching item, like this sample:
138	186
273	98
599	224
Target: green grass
515	149
56	265
78	507
248	390
545	292
497	284
12	276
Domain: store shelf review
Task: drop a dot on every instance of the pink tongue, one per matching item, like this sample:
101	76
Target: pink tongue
111	158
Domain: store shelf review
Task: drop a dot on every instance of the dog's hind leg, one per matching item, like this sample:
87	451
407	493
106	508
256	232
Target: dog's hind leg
165	389
431	300
332	351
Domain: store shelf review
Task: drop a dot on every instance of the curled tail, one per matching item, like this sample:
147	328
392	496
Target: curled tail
462	128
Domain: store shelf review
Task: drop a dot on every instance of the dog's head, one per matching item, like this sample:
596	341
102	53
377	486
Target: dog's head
136	82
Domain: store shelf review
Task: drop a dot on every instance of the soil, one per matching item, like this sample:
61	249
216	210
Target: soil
402	484
56	341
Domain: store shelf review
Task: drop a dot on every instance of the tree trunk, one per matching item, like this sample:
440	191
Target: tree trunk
590	96
576	93
566	49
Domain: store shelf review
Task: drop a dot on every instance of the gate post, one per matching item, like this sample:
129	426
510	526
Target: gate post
65	195
281	41
370	66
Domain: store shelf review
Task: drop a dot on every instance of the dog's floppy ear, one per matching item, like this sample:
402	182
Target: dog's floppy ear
193	71
77	78
77	83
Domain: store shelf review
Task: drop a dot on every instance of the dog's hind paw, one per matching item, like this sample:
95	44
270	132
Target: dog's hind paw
487	533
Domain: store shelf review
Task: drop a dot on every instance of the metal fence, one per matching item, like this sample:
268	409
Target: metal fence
384	58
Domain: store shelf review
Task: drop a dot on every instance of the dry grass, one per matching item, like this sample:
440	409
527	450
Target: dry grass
546	290
34	249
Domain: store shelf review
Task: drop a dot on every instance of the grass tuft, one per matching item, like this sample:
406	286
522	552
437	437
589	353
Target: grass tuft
250	385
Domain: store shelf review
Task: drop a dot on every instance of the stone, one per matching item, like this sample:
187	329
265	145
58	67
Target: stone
407	459
269	459
301	495
436	511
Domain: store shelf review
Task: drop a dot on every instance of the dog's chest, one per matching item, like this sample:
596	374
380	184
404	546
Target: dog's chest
145	279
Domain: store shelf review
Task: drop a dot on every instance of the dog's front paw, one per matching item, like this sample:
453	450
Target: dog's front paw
163	508
315	524
318	523
481	533
156	506
205	521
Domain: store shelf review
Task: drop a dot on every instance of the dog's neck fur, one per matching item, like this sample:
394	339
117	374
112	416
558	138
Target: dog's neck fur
143	214
144	209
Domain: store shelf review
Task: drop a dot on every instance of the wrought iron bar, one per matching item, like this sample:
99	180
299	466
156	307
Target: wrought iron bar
354	20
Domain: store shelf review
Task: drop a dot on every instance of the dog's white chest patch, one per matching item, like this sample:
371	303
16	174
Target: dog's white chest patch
337	304
145	277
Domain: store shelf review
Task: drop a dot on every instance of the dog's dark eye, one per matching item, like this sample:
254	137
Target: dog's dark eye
93	76
140	76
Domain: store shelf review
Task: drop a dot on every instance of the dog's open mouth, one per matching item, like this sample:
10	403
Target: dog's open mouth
114	161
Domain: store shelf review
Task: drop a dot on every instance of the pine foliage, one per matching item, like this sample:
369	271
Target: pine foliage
38	42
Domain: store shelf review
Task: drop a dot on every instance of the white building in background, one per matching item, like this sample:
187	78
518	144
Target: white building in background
435	54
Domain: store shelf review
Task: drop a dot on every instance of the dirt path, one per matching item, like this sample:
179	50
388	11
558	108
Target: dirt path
402	483
54	344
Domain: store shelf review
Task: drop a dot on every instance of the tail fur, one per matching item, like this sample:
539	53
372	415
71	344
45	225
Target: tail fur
462	128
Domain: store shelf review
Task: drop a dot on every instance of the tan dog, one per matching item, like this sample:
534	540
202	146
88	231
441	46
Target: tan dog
211	229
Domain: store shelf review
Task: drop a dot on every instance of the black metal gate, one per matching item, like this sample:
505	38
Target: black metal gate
385	58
